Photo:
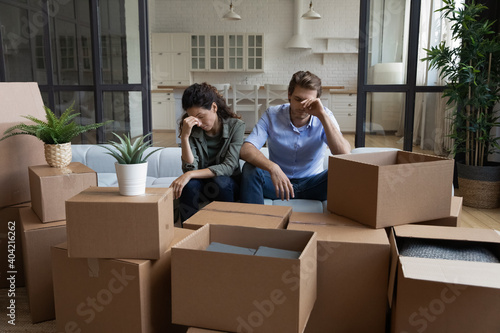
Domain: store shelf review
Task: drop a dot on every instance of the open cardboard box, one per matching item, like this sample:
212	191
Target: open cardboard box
104	224
51	187
353	274
114	295
441	295
242	214
390	188
18	99
242	293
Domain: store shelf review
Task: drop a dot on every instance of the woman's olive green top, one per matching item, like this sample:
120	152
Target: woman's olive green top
227	158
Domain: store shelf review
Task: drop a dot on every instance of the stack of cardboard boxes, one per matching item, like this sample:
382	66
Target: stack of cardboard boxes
113	273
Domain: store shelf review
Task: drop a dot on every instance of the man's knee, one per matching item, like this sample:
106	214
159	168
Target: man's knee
249	170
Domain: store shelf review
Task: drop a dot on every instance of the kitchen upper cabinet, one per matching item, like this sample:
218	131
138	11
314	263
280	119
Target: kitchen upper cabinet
227	52
170	59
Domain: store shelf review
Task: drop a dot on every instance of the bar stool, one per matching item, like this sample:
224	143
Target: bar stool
276	94
223	89
246	103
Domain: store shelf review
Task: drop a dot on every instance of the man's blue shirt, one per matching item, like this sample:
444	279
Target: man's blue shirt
298	151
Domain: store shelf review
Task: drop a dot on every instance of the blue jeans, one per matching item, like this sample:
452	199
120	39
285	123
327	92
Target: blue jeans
256	184
196	191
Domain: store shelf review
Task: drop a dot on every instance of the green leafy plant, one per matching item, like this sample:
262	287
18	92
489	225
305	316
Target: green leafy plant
473	73
127	152
54	130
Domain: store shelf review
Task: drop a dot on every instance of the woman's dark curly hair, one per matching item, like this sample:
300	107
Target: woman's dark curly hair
203	95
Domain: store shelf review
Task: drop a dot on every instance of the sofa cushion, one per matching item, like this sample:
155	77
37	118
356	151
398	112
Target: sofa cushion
301	205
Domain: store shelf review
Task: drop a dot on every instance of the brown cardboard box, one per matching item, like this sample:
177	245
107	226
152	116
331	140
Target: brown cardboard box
20	151
243	293
201	330
390	188
114	295
37	238
452	220
11	247
104	224
51	187
441	295
242	214
353	273
322	219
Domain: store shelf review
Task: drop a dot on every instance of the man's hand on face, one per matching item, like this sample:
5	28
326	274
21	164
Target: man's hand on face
313	106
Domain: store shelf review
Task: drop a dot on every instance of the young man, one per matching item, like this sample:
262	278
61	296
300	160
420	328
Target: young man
297	134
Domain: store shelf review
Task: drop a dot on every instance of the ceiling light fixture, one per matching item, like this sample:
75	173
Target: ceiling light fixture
311	14
231	15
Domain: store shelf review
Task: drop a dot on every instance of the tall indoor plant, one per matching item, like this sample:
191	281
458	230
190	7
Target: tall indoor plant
56	133
131	163
472	70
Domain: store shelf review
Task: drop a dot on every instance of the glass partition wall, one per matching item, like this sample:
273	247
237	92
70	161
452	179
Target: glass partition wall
399	99
92	54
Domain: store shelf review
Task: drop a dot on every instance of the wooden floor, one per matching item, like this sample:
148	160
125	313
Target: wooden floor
470	217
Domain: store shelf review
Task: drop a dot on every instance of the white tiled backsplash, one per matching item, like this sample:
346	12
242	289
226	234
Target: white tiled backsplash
274	18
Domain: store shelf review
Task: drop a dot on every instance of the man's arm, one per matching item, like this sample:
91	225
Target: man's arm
254	156
336	141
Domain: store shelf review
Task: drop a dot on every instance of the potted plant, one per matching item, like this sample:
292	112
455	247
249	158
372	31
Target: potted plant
131	165
56	134
472	70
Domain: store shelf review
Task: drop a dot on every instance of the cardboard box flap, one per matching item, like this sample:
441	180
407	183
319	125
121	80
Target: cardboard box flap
436	232
466	273
203	217
322	219
235	207
393	268
407	157
112	195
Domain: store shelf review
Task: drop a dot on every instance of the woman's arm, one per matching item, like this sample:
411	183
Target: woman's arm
178	184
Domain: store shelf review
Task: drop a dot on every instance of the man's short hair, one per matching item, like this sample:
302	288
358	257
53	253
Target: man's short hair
306	80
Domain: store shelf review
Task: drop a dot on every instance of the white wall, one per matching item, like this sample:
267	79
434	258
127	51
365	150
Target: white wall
275	19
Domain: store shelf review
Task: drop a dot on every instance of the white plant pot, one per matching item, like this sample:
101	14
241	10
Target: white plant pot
131	178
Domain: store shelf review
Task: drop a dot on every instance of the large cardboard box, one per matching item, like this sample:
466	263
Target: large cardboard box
443	295
353	274
242	214
390	188
114	295
201	330
104	224
11	248
244	293
20	151
51	187
37	238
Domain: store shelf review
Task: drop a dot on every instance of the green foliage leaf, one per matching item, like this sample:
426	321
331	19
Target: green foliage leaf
127	152
54	130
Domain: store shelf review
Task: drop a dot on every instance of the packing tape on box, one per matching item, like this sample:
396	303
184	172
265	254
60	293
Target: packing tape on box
93	264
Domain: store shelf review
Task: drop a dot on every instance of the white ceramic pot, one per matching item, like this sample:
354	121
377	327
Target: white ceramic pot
131	178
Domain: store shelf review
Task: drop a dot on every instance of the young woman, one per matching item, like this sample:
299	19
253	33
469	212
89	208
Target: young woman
211	137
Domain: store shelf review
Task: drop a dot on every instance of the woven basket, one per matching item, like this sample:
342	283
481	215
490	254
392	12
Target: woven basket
58	155
479	186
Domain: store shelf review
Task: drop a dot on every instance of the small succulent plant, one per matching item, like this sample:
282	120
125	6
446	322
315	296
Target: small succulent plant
127	152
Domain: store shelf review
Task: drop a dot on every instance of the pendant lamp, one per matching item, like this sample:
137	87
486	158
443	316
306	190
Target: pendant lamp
311	14
231	15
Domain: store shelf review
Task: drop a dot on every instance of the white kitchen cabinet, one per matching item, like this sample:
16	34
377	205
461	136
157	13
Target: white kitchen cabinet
163	111
170	59
227	52
343	107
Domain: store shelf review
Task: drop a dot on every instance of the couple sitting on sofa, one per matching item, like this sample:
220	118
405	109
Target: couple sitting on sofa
212	143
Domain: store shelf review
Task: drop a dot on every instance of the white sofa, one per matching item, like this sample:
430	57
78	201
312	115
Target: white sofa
164	167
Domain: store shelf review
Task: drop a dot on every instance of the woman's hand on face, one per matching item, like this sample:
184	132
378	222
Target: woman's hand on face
178	184
188	124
